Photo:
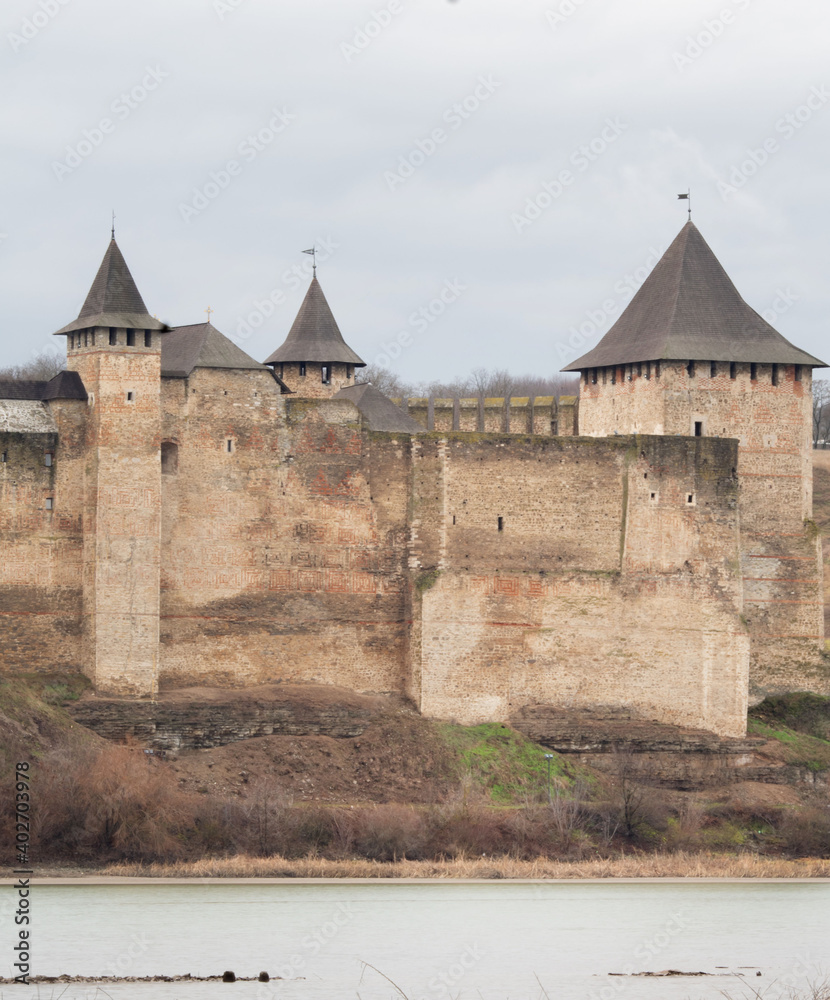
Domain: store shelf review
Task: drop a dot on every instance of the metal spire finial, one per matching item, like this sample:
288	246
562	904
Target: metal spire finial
687	197
113	223
313	252
209	312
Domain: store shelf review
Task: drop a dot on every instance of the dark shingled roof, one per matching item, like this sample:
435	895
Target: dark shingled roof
378	411
65	385
688	309
200	345
315	336
113	299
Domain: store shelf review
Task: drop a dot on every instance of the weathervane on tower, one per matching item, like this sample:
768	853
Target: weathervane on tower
113	223
313	252
687	197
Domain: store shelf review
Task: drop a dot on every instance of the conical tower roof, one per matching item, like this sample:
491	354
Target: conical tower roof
113	299
688	309
314	335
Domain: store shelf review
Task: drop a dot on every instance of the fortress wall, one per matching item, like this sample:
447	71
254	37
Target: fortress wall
40	549
590	594
280	562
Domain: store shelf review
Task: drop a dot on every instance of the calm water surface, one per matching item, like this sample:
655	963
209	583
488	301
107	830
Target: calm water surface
483	941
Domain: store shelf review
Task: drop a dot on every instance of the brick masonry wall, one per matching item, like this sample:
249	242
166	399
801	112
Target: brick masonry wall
283	556
40	549
549	574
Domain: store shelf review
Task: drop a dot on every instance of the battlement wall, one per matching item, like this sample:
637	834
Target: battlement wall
541	415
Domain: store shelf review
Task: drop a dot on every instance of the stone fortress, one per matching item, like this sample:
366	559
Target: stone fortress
175	514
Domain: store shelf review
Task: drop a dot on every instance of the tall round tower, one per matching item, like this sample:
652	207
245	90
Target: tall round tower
315	361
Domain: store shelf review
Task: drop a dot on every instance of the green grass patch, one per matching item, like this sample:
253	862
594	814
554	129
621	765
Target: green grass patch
801	711
800	749
505	764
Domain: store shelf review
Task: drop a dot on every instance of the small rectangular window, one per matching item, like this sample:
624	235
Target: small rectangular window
614	376
130	338
229	445
92	338
774	375
690	369
797	373
713	369
4	457
690	498
148	338
47	459
733	370
639	369
348	372
302	369
113	336
657	369
593	376
129	397
648	370
49	503
282	371
753	372
325	374
501	524
698	428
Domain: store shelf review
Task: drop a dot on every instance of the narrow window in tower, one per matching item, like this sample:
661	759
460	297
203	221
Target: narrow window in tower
348	372
657	369
713	369
113	337
733	370
47	459
130	397
92	338
797	373
229	445
130	338
690	369
50	503
282	371
593	376
753	372
453	519
302	369
325	373
4	457
698	428
86	339
501	524
690	498
648	371
639	369
148	338
614	376
604	376
774	375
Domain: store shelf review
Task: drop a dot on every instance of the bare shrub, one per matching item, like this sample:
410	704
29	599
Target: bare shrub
267	817
806	832
389	832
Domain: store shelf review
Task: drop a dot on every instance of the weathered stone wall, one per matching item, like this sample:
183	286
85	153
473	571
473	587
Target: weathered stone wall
307	380
547	572
41	540
771	416
284	551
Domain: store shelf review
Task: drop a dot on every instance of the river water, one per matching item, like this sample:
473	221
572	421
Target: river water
468	941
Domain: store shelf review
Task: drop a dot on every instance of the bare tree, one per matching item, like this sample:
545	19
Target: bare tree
821	412
41	368
386	381
481	382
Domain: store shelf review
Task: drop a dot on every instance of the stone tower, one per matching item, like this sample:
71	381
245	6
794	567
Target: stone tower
689	357
115	347
315	361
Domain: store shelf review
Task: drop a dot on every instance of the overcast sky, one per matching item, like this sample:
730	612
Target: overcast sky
483	177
